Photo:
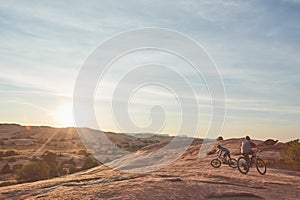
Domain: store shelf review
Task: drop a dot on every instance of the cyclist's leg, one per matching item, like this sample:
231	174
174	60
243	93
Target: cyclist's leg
229	155
222	157
247	158
252	153
226	155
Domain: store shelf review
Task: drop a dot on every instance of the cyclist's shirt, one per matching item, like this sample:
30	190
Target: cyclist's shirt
246	147
223	149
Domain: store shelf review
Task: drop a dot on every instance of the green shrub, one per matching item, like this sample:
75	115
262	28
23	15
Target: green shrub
6	169
61	171
8	153
11	160
51	159
89	163
291	154
16	168
73	169
34	171
11	153
6	183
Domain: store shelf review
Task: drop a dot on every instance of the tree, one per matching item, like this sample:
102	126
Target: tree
33	171
51	159
291	154
16	168
6	169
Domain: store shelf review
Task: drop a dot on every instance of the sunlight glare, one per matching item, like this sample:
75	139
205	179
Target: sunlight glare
64	115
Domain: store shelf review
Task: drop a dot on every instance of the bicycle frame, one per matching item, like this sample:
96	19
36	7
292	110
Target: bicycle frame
222	159
254	158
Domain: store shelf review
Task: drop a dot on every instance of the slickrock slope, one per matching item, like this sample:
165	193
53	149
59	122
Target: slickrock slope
190	177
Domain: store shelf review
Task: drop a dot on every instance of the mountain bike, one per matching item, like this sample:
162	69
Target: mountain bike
217	162
244	166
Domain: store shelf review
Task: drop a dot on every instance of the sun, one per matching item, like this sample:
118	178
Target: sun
64	115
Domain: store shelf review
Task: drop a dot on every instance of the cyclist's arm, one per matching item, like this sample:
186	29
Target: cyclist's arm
220	152
253	145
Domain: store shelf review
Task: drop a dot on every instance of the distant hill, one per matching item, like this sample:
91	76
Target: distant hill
20	144
147	135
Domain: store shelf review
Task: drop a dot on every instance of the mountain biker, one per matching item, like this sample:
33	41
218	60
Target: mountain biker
246	148
223	149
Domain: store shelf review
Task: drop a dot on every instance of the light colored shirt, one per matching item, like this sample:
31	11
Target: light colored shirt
246	146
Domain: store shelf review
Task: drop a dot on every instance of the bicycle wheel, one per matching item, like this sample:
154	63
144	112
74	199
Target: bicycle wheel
261	166
243	165
232	163
215	163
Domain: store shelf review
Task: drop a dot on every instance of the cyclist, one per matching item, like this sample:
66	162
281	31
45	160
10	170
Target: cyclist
225	150
246	148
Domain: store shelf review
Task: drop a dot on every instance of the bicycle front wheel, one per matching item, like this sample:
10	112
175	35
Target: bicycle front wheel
261	166
215	163
243	165
232	163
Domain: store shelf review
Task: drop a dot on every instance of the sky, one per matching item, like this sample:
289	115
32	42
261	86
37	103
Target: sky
255	45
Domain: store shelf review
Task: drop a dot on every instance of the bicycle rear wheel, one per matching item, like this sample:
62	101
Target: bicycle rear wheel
232	163
243	165
261	166
215	163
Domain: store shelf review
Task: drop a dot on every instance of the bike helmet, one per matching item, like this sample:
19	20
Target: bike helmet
247	137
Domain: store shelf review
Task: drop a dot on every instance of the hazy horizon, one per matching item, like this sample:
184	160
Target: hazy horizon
29	126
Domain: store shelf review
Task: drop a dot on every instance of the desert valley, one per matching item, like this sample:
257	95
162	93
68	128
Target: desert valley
71	172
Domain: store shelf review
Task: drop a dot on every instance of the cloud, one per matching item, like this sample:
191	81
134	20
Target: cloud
255	45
